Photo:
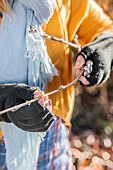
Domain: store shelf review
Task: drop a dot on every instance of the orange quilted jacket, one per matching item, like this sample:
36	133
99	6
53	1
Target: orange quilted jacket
84	18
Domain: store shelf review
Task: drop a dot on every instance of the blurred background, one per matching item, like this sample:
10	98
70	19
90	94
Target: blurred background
92	121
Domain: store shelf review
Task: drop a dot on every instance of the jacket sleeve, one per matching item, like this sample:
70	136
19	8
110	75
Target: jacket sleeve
87	20
95	23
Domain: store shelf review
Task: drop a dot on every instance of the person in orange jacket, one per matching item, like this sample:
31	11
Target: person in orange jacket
86	19
94	28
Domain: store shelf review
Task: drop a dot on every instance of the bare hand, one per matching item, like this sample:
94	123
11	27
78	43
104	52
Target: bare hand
43	100
80	62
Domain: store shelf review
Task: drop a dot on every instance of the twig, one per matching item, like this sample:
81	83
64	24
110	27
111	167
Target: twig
66	86
76	46
46	36
14	108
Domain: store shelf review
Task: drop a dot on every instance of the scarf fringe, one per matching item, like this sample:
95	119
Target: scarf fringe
43	68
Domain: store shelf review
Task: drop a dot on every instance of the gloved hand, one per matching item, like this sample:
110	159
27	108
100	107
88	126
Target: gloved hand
100	52
33	117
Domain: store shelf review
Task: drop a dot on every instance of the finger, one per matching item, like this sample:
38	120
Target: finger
38	94
49	105
84	80
45	98
79	62
77	71
41	101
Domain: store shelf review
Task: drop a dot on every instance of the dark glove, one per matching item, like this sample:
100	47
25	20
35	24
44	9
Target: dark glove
100	52
13	91
33	117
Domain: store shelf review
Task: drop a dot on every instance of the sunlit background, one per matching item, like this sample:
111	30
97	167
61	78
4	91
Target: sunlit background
92	122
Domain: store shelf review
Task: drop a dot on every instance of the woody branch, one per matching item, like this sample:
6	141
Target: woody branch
62	87
75	45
